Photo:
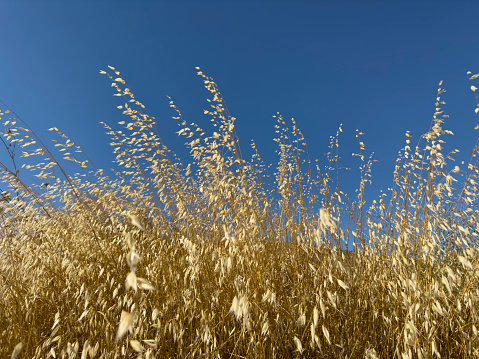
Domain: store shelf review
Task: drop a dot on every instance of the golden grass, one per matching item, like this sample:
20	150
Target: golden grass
161	263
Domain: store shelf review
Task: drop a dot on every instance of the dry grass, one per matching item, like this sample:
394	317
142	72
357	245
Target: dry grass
161	263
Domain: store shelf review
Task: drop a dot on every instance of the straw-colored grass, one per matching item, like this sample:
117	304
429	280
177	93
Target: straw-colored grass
165	261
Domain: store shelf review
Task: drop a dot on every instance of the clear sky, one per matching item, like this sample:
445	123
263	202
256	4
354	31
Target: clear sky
369	65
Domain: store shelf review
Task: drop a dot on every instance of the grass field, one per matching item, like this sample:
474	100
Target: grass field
167	261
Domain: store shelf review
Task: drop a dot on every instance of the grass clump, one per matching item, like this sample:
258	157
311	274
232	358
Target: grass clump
161	263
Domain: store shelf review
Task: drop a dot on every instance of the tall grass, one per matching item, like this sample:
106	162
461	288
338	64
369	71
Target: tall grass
167	261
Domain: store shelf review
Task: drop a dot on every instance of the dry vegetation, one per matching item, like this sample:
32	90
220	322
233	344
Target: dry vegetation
161	263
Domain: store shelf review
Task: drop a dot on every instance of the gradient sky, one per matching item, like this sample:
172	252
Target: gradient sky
370	65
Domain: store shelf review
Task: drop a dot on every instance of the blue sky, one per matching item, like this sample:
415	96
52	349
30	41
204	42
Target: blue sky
370	65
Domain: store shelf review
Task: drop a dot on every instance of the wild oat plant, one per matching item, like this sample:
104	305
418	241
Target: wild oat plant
161	263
